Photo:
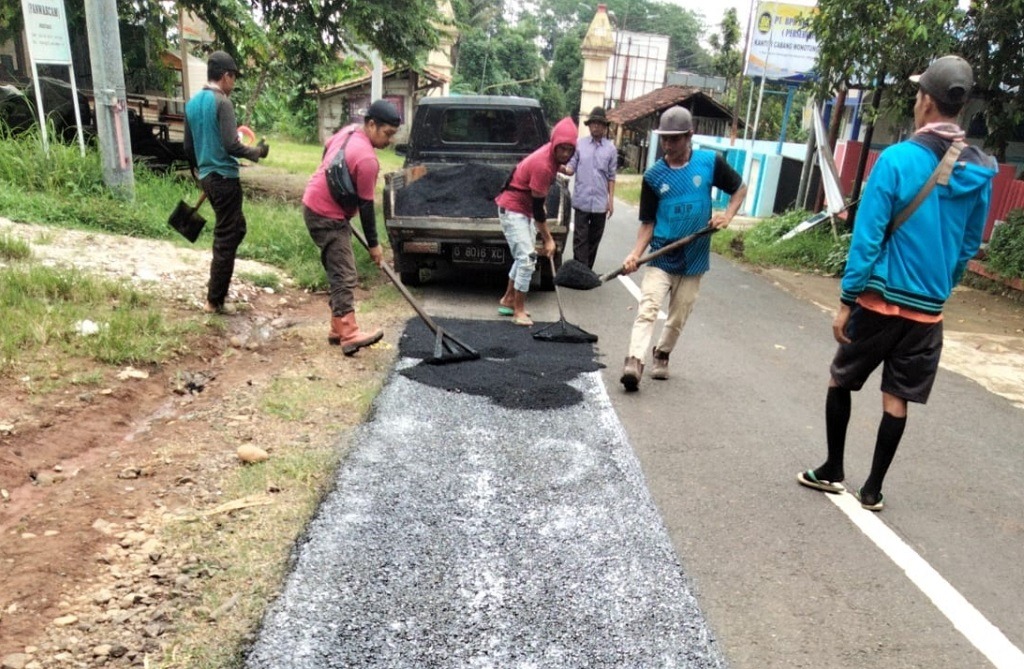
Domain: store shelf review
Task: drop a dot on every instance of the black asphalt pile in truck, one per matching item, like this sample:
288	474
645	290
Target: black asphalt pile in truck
461	191
439	210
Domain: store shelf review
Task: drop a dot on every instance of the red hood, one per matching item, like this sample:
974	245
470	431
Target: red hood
565	132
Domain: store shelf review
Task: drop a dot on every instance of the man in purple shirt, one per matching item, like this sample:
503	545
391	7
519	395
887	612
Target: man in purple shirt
593	196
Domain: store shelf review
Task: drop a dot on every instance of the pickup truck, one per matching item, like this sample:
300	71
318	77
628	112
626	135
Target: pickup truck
439	209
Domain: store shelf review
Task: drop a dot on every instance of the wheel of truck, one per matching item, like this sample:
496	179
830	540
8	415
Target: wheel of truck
547	279
410	277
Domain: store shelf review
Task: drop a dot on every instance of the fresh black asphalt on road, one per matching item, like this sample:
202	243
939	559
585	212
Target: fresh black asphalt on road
489	514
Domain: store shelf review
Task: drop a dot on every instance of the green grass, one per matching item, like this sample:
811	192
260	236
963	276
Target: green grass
47	310
627	188
66	189
816	250
12	248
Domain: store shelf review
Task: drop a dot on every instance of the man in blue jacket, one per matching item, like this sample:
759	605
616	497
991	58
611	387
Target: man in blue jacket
897	281
212	145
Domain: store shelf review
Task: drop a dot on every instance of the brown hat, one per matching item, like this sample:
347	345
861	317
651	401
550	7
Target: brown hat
949	80
597	115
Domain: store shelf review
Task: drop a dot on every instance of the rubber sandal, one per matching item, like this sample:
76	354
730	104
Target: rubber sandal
505	311
807	478
870	503
524	321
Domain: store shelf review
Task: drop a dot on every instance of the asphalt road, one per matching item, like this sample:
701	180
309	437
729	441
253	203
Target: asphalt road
704	463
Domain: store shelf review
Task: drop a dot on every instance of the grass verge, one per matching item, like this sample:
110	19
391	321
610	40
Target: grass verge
247	551
52	315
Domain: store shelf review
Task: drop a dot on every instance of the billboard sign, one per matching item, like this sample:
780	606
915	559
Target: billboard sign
781	44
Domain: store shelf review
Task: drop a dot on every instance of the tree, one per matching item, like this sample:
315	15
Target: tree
993	43
875	44
727	60
566	73
305	35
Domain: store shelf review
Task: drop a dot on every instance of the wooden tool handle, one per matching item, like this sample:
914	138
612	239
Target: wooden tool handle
662	251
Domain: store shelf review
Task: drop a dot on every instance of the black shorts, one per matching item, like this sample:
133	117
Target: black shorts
909	350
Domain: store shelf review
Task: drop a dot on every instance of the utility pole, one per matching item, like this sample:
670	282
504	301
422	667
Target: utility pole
109	95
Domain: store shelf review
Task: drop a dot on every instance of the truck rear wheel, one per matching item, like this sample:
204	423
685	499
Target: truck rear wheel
410	277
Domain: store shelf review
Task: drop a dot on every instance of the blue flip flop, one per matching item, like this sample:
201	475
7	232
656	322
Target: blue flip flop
505	311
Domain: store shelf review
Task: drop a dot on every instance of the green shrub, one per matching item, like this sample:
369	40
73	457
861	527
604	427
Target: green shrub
815	250
1006	248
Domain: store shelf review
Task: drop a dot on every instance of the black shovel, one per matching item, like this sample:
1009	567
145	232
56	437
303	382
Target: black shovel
574	274
186	219
563	331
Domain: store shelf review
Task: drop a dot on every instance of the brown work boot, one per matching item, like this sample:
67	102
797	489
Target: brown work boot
631	373
659	367
345	332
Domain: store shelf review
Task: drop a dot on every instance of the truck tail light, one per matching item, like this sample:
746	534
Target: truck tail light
421	247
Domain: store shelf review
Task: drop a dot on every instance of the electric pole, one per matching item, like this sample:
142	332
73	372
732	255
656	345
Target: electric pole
109	96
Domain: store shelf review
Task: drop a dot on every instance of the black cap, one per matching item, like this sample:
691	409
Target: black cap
383	112
222	61
949	80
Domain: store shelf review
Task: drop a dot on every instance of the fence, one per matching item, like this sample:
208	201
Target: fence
1007	192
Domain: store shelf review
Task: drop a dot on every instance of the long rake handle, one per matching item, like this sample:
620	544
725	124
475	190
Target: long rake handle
660	252
399	285
440	336
558	296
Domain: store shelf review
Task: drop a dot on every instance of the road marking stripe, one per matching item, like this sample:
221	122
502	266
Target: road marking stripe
985	636
634	290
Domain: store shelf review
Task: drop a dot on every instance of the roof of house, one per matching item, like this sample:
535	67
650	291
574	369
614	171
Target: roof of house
697	101
433	76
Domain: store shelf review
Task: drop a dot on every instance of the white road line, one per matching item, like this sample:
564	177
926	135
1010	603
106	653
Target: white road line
634	290
985	636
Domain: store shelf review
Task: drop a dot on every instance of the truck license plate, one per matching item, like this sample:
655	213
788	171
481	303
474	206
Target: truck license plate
489	255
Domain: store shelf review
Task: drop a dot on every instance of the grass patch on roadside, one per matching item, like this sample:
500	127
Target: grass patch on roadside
65	189
627	188
816	250
247	551
51	314
13	248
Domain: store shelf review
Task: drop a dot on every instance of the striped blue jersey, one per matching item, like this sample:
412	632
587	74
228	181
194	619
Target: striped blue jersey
684	207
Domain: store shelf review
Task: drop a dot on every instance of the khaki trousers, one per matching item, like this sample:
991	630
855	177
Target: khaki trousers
682	292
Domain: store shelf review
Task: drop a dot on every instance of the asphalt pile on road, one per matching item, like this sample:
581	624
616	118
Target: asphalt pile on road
515	371
458	191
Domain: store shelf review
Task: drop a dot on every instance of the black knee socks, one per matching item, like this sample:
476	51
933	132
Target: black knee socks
837	416
890	431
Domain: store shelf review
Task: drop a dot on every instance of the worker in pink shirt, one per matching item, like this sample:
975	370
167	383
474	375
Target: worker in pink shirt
329	221
521	210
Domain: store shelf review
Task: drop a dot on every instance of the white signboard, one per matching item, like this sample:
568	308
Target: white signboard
46	30
46	27
781	44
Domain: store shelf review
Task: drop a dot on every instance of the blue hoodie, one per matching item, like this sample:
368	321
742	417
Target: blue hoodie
925	258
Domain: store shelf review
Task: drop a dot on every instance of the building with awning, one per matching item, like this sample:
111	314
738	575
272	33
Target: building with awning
634	120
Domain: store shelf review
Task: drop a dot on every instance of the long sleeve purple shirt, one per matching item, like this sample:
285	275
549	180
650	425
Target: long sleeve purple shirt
594	165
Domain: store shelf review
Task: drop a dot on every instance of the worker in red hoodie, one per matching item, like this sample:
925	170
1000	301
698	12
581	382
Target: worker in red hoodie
521	210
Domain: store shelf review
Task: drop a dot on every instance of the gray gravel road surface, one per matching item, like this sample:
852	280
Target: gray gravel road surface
469	528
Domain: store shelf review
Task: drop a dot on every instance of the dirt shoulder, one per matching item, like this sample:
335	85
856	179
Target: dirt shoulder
127	519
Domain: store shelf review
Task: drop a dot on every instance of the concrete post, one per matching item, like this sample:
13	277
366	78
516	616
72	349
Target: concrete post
598	47
111	103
